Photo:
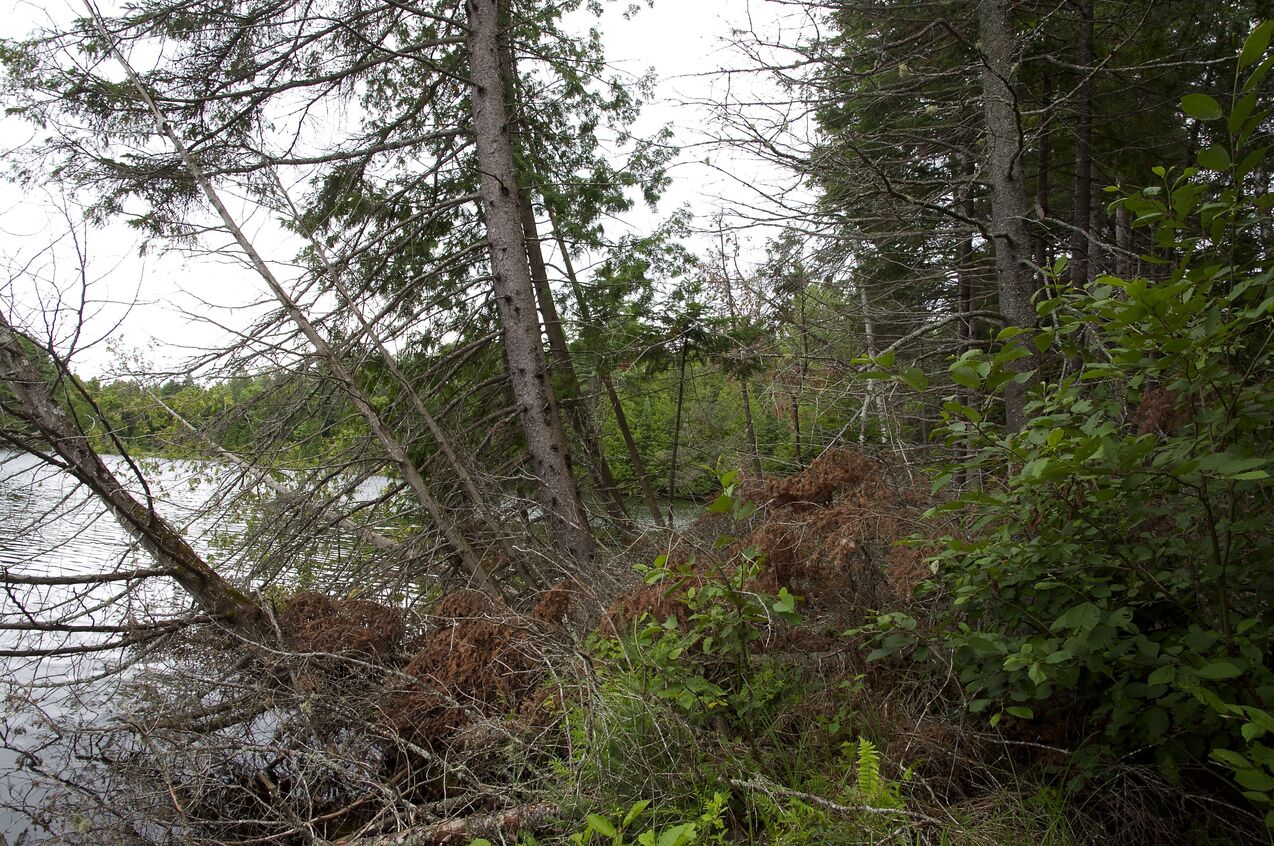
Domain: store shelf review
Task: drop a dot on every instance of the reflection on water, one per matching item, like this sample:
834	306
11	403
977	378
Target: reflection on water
52	527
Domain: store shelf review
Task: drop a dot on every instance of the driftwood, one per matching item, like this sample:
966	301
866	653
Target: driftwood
495	826
773	790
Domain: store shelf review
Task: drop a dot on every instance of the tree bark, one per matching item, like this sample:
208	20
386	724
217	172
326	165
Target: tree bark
560	362
676	430
514	293
869	330
1125	259
1044	162
564	368
1009	208
634	455
39	407
802	375
744	390
1081	235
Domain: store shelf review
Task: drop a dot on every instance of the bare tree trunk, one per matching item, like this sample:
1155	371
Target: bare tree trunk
749	427
1044	162
563	366
968	298
634	455
1009	206
869	329
38	406
743	379
467	484
676	430
560	363
515	294
802	374
1125	260
395	449
1081	235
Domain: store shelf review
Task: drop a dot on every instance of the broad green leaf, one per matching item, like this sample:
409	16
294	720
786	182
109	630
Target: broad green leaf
1201	107
1254	780
1217	670
1241	112
1256	45
1081	617
1225	464
1231	759
1215	157
1261	718
635	811
963	374
1157	722
915	379
721	505
678	835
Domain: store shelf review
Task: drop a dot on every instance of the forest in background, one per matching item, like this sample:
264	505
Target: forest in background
983	438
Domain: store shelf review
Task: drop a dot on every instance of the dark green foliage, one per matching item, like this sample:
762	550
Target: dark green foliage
1116	575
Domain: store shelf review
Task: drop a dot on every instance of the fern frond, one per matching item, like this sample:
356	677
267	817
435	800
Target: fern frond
869	785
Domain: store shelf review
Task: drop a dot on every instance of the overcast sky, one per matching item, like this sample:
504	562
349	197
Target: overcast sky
143	306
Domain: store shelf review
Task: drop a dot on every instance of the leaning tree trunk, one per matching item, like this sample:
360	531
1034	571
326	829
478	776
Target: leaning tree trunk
744	390
344	377
564	368
38	407
561	365
1009	207
515	296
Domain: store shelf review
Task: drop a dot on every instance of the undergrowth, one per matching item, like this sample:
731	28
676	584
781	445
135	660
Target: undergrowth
710	719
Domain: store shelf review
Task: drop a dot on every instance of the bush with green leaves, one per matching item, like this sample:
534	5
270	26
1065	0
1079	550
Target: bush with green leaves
706	665
1118	558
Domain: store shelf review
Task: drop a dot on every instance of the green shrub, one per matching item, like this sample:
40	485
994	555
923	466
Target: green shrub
1119	555
707	666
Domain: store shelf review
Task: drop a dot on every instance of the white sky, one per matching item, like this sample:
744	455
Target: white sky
142	306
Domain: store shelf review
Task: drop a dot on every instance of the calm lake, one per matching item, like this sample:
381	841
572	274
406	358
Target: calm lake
50	526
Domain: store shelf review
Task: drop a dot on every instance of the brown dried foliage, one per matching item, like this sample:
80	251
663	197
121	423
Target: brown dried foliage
828	534
311	622
1160	411
469	667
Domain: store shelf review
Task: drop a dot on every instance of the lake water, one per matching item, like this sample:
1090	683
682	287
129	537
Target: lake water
52	527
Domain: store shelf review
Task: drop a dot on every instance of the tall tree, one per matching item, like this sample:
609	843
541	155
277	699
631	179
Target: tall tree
1009	207
514	292
402	211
